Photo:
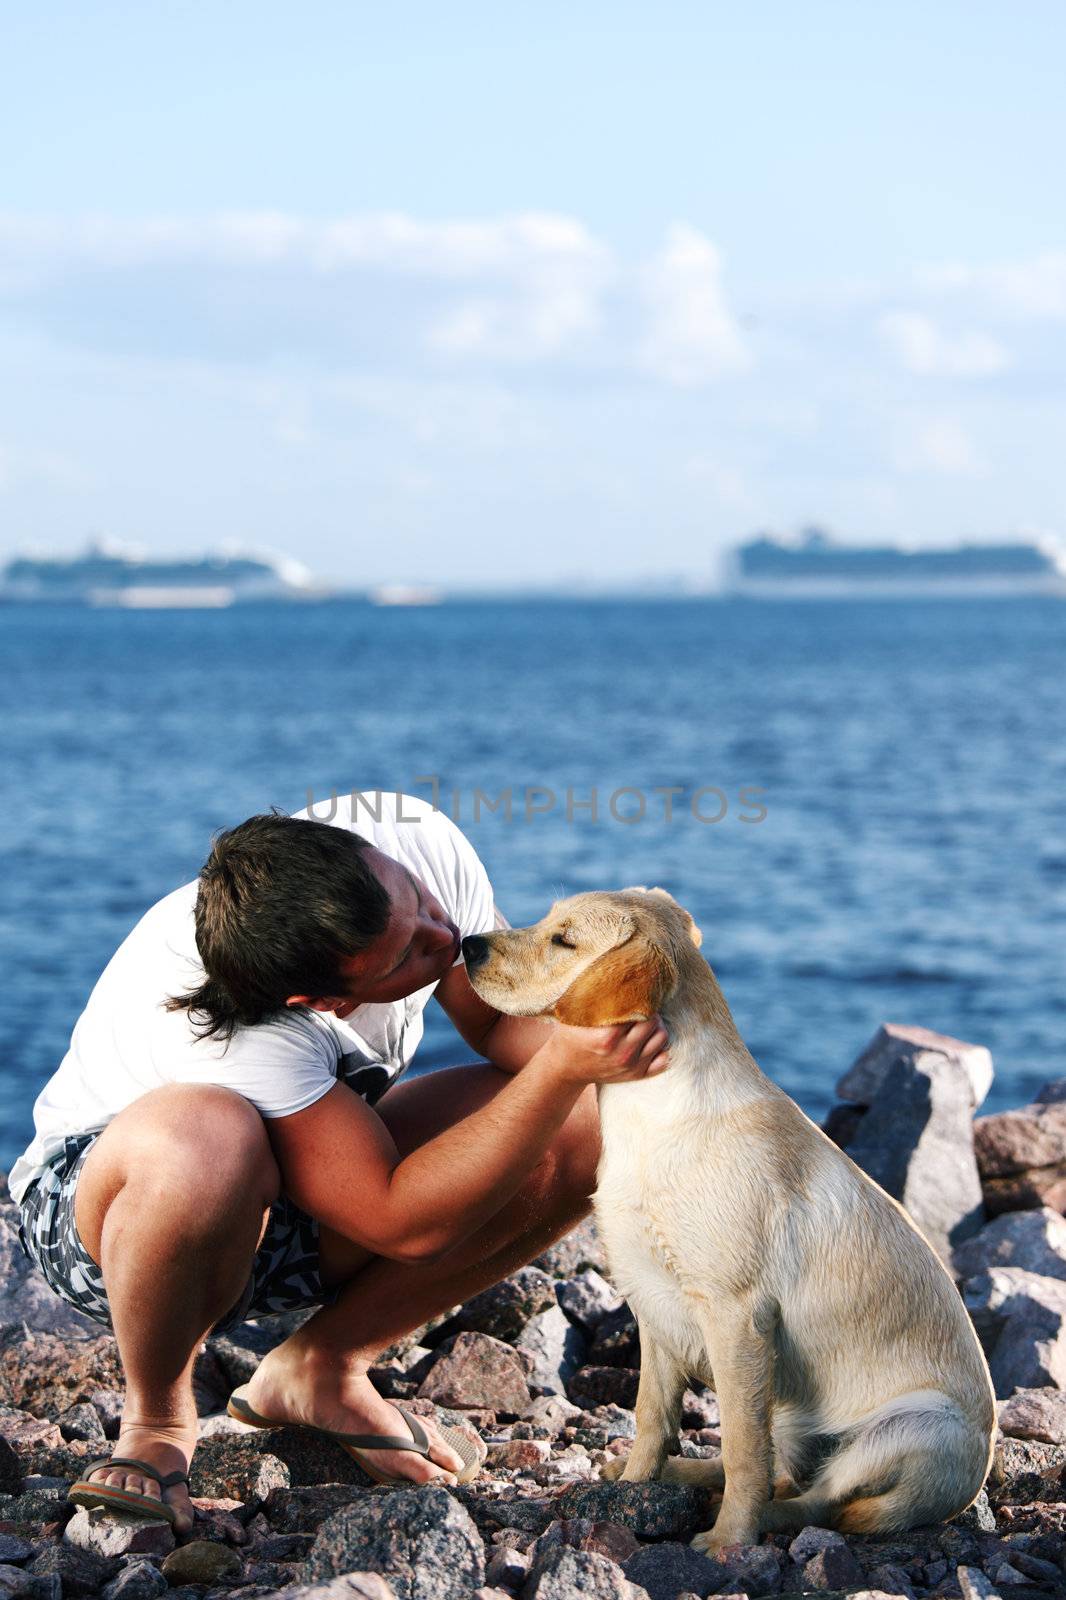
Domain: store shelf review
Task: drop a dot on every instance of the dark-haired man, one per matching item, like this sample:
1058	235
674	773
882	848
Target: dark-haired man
225	1137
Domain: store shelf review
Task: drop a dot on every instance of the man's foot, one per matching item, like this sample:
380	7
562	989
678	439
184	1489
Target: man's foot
295	1389
168	1446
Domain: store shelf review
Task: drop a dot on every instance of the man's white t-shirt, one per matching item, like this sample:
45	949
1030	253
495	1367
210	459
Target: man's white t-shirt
125	1042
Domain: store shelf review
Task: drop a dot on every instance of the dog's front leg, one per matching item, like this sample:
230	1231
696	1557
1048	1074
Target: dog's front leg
659	1396
740	1338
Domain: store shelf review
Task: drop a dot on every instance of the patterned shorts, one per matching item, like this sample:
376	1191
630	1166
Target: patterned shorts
284	1276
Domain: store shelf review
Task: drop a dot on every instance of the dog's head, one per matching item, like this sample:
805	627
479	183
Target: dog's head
595	959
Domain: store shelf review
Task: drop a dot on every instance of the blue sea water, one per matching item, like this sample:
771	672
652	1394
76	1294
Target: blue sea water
910	757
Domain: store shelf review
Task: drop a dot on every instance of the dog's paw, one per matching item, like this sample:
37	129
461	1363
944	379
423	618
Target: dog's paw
613	1470
721	1545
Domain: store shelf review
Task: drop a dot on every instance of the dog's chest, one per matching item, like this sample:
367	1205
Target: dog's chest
639	1191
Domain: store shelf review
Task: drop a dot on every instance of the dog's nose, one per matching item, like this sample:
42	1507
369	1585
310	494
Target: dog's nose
475	950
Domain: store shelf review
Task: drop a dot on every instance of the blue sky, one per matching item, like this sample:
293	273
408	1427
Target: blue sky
489	295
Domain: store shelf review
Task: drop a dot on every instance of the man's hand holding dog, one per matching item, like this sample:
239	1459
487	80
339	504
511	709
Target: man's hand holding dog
622	1053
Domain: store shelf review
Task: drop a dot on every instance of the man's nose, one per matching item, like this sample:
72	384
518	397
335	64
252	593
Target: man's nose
475	950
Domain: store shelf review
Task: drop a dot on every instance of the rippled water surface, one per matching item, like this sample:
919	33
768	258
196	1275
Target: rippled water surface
911	864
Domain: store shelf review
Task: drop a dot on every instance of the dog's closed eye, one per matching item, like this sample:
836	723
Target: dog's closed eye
564	941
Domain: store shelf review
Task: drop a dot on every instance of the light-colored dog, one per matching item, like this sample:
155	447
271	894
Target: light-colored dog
755	1255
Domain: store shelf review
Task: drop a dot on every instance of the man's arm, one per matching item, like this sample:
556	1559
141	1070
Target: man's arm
339	1162
508	1042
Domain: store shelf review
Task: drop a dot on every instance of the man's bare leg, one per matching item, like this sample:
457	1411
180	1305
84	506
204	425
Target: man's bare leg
185	1177
319	1374
171	1203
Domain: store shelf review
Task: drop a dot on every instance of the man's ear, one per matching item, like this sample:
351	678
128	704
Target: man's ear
623	985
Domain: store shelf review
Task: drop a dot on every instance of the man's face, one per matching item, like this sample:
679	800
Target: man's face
417	947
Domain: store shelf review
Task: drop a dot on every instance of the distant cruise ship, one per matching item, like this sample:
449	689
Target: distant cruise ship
107	574
816	567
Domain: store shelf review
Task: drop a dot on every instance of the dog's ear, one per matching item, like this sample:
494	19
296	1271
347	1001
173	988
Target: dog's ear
623	985
693	932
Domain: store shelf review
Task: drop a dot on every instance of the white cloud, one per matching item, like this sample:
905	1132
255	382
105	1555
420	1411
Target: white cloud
939	444
20	464
1035	288
724	482
922	348
692	337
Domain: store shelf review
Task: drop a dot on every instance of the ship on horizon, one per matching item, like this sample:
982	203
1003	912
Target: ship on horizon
816	567
110	574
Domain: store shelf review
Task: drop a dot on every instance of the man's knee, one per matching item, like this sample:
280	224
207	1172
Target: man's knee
200	1141
575	1152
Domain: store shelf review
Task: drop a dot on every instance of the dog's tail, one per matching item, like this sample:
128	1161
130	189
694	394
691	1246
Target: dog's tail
916	1460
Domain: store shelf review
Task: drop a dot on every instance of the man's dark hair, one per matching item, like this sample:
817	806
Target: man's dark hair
281	903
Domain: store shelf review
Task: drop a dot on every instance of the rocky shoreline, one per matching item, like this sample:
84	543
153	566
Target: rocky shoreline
542	1369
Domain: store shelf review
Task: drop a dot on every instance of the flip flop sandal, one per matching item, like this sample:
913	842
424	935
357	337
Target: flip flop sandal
419	1441
103	1494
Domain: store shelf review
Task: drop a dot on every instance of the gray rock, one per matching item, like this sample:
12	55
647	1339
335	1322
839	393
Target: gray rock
108	1404
1035	1241
478	1371
505	1308
978	1516
588	1298
810	1540
1021	1320
596	1386
892	1579
18	1585
79	1571
753	1568
700	1410
304	1509
615	1422
113	1534
669	1569
141	1581
616	1341
513	1455
38	1505
82	1422
1024	1470
552	1411
974	1584
833	1567
648	1510
567	1573
10	1469
603	1538
423	1539
556	1349
867	1074
1021	1156
1029	1137
30	1434
1007	1573
1035	1414
1035	1566
581	1248
221	1422
201	1561
916	1139
349	1586
507	1566
856	1594
14	1550
243	1468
